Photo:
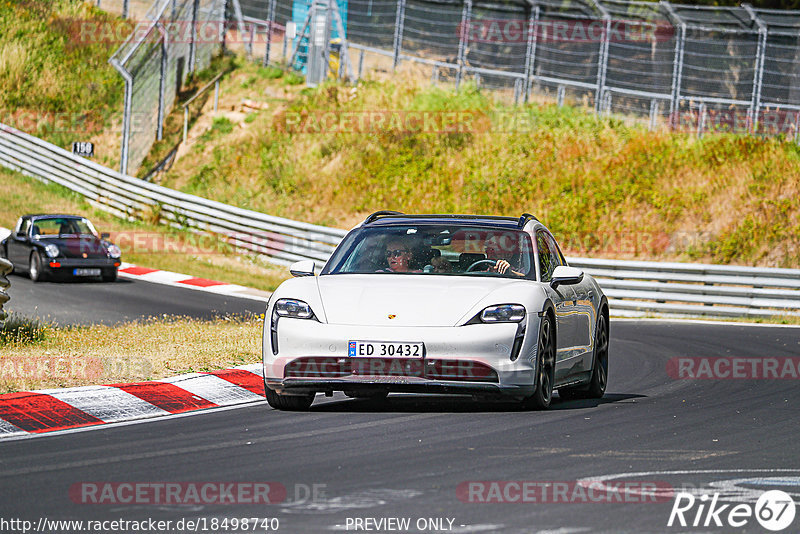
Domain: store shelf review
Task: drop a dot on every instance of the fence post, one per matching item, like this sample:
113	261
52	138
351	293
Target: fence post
125	7
463	39
126	115
216	96
560	95
701	120
602	58
270	23
677	63
399	25
162	82
530	49
193	41
653	114
360	63
758	67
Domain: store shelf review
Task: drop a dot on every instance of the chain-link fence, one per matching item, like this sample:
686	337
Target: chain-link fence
694	68
172	40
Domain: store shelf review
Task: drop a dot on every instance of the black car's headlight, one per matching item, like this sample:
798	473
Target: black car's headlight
52	251
113	251
293	308
503	313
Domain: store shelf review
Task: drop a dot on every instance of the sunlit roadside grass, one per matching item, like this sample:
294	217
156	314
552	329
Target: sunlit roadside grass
147	350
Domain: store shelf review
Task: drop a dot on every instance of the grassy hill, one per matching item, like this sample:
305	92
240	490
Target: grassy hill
605	187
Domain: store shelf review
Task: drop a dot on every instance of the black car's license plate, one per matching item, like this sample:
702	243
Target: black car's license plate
86	272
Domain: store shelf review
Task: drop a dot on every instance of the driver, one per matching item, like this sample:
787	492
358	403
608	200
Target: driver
503	255
398	256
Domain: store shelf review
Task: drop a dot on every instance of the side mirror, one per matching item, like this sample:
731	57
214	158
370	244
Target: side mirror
105	235
563	275
302	268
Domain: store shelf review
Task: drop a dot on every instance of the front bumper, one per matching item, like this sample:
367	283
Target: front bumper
66	265
470	360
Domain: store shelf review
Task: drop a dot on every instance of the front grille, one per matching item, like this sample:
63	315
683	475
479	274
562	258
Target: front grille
431	369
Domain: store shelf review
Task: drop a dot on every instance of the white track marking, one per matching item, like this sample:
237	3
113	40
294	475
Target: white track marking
107	403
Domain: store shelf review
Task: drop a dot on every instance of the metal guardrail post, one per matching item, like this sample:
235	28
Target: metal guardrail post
216	96
126	115
463	39
5	268
162	82
399	26
270	24
653	114
530	49
560	95
677	63
758	67
360	64
602	59
701	120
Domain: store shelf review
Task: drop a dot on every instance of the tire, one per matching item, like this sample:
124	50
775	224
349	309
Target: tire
109	275
35	267
545	367
596	387
290	403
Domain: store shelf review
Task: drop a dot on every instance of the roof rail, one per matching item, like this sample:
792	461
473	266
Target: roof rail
523	220
379	214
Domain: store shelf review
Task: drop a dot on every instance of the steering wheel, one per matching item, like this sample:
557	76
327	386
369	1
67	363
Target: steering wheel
471	267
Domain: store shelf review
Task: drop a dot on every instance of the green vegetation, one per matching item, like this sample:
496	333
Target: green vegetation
57	83
604	186
20	330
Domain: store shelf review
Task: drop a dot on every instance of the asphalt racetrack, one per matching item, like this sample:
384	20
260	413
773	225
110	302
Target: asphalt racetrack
351	464
83	302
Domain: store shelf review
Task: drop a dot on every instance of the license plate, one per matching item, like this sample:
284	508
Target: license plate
384	349
86	272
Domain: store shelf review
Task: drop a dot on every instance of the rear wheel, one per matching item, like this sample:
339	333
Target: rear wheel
545	367
292	403
35	267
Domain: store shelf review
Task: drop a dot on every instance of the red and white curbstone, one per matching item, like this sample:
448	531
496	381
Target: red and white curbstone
40	411
169	278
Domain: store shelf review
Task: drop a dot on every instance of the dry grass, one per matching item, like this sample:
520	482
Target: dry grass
131	352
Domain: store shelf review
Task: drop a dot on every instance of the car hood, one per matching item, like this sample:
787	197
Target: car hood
76	247
411	300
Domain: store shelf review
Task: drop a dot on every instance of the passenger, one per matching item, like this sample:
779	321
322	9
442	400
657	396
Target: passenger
441	265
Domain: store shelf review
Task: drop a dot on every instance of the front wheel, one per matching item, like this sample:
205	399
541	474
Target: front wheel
545	367
35	268
291	403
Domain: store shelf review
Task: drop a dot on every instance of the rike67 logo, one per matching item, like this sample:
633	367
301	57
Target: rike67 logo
774	510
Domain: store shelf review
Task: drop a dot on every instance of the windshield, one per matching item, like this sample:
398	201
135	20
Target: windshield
60	226
444	250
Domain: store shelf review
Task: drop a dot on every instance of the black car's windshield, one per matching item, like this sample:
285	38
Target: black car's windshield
60	227
435	250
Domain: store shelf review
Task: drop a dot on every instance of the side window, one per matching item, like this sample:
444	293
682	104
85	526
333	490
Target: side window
558	258
545	257
22	227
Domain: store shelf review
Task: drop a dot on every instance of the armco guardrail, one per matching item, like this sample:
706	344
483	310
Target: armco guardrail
633	287
283	240
5	268
695	289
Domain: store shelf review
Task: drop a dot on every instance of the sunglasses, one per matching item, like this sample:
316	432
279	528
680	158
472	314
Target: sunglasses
395	253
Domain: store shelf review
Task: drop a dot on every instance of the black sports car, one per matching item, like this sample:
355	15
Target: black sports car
60	246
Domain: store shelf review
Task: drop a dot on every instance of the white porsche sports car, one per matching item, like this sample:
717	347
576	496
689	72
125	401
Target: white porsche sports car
455	304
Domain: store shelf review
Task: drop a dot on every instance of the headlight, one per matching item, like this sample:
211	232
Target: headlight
51	251
504	313
293	308
113	251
